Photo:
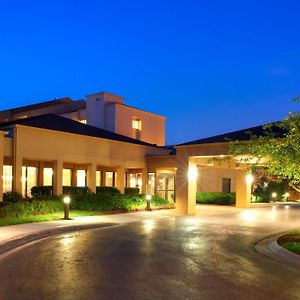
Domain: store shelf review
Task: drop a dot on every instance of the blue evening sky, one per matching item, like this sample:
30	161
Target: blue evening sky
209	66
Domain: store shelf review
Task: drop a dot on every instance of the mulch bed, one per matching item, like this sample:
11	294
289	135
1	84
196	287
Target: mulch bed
293	238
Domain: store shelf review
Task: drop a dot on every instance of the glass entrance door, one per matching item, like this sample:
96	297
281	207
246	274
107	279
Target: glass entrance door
166	186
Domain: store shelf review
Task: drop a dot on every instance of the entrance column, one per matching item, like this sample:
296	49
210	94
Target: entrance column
91	177
57	177
186	187
144	181
120	180
243	190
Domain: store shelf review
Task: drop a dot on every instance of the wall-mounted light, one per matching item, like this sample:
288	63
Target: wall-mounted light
249	178
192	173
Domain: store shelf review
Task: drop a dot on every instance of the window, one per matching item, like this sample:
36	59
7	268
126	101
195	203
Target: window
109	178
47	176
134	180
98	178
29	180
151	184
226	185
166	186
67	176
83	121
137	124
81	178
7	179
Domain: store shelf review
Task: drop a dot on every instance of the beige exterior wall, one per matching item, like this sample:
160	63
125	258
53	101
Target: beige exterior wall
41	147
210	179
42	144
153	126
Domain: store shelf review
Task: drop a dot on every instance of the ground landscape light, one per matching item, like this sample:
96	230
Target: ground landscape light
274	195
148	199
67	201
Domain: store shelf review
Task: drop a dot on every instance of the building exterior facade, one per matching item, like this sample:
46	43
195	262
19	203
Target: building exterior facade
100	141
102	110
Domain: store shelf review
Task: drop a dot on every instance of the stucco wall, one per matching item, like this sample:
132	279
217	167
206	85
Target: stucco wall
40	144
210	179
153	126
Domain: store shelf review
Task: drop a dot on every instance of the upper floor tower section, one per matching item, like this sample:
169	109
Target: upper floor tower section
102	110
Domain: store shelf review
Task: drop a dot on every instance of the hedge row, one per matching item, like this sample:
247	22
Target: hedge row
88	202
215	198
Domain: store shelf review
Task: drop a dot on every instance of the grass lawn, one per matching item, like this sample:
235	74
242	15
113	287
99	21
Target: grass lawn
291	241
45	217
292	246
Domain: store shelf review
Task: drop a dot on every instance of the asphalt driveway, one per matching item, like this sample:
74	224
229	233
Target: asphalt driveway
207	256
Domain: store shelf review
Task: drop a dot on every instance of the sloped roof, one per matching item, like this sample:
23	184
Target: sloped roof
30	107
240	135
58	123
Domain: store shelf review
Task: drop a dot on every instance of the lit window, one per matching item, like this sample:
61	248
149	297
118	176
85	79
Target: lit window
98	178
47	176
67	175
135	180
109	178
137	124
7	179
29	180
151	184
81	178
83	121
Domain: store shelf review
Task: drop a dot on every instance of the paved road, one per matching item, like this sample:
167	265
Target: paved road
208	256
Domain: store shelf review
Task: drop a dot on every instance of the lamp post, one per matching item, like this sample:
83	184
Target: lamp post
148	199
286	196
67	201
274	195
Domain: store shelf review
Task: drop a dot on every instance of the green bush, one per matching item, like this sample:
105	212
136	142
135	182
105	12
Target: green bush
107	189
41	192
263	193
131	191
12	197
75	190
27	207
215	198
106	201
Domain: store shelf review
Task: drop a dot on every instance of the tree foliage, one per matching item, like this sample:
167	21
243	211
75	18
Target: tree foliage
277	150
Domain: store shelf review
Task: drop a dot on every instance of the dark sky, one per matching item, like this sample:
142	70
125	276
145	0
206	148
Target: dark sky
209	66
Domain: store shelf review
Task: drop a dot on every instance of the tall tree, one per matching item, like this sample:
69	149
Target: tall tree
277	150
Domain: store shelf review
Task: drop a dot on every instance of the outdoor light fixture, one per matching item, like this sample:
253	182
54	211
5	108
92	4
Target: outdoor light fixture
148	199
249	178
67	201
192	173
274	195
286	196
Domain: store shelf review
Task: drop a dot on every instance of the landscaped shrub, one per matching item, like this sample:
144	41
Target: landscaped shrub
265	188
106	201
215	198
131	191
107	189
75	190
12	197
26	207
41	192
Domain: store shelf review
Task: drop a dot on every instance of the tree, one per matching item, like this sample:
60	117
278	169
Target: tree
276	151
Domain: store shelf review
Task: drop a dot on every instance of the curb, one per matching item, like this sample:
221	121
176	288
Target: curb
8	248
270	248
